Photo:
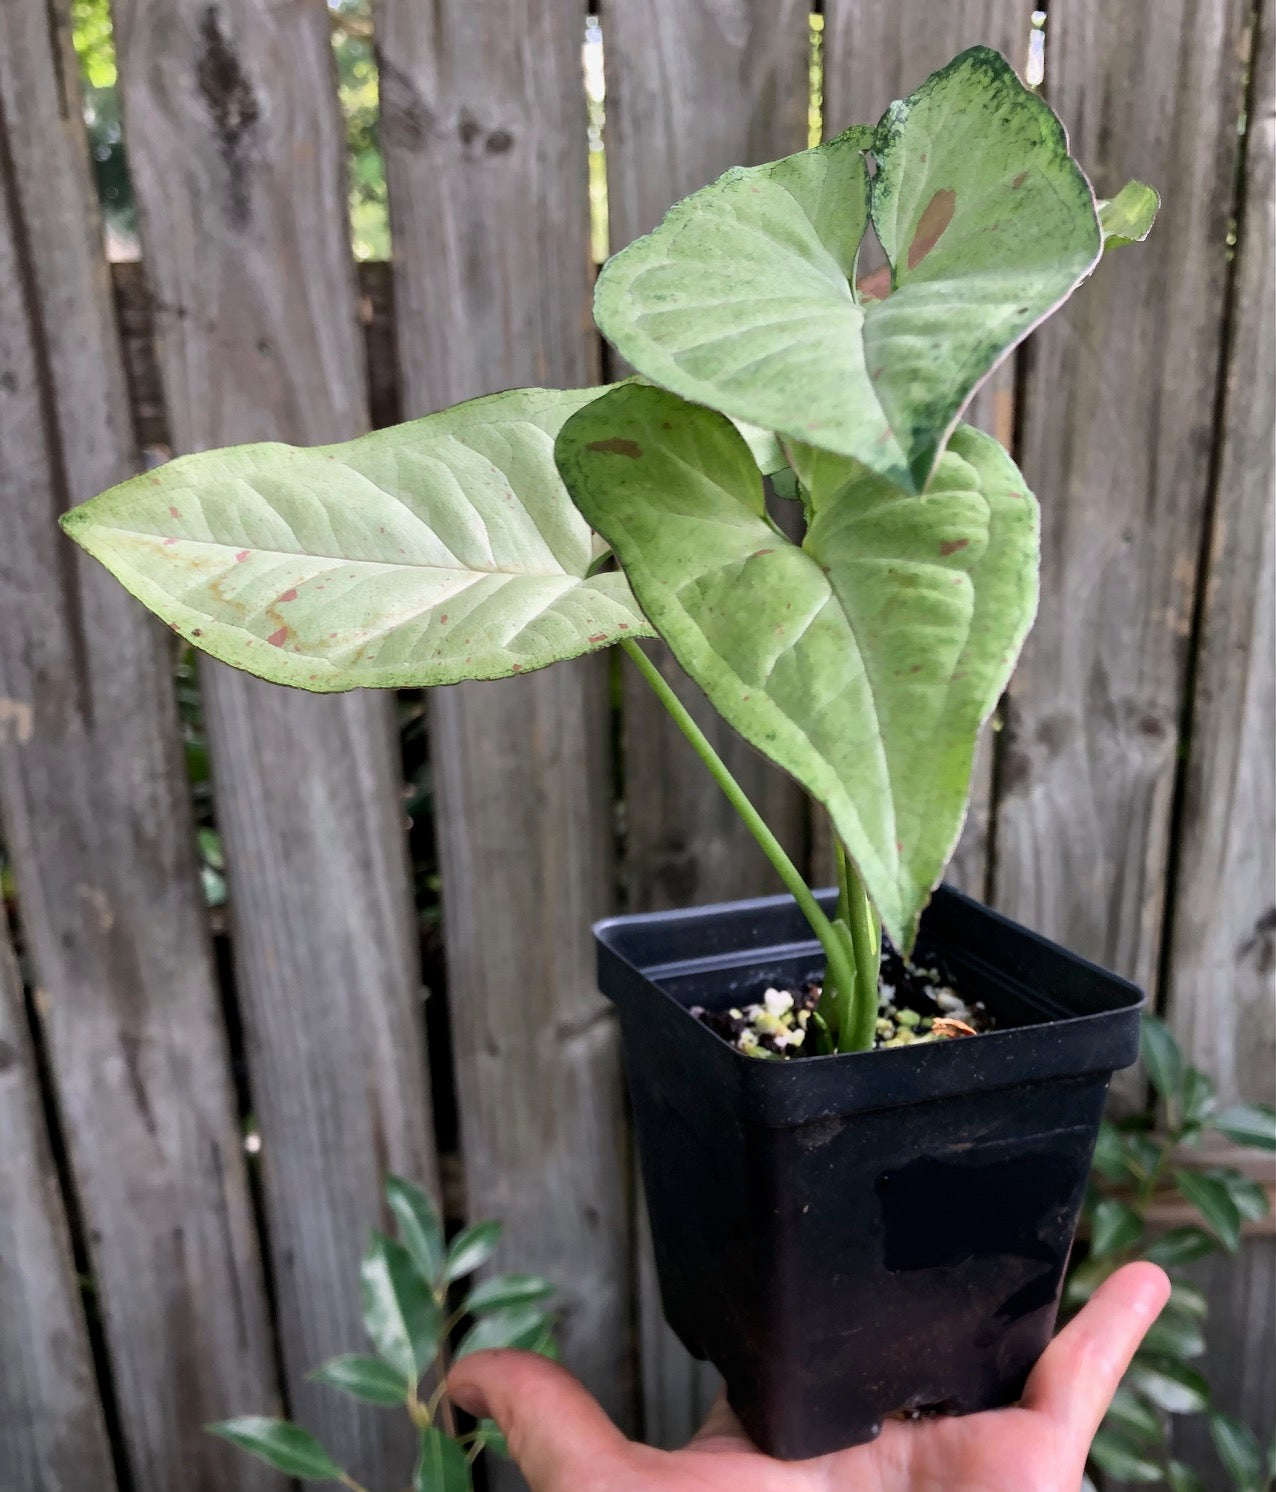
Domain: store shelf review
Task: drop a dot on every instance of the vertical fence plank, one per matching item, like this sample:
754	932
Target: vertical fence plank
52	1436
95	802
483	127
1224	924
237	151
1119	401
692	91
874	53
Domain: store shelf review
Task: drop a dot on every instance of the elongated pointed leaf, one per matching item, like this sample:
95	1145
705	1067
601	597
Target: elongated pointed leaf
441	1464
1116	1226
367	1378
1214	1202
1250	1196
502	1291
1170	1385
862	661
420	1227
526	1327
1137	1419
1161	1055
742	298
1181	1478
1239	1451
1118	1455
440	550
1128	217
285	1446
472	1248
1180	1246
400	1314
1248	1124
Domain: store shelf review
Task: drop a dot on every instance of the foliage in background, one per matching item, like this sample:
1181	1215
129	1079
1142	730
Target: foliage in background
1136	1162
356	70
408	1284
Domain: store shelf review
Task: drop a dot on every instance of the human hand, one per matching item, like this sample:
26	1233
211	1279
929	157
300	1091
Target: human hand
563	1442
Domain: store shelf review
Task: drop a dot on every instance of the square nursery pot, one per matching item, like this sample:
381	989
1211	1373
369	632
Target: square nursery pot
851	1237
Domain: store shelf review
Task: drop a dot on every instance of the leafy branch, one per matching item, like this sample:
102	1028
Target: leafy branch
407	1283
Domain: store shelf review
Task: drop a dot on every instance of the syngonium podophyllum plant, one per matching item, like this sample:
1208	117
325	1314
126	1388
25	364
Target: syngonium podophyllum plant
515	531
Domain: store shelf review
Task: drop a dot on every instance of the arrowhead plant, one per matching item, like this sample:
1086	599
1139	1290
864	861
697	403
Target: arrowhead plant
529	527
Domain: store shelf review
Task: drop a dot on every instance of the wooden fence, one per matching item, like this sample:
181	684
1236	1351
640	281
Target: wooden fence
154	1276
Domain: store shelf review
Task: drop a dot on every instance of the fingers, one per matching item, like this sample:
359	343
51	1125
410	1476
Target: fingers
554	1427
1078	1373
721	1429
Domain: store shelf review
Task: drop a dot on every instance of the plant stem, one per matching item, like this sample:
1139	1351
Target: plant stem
840	967
857	1020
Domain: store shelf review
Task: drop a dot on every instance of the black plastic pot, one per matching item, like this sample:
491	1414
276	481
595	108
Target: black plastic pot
853	1236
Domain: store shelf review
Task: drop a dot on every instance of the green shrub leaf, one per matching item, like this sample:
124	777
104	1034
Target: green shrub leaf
1134	1418
472	1248
367	1378
1117	1455
1239	1451
441	1464
1116	1225
742	298
420	1228
1181	1478
400	1314
1250	1196
286	1447
1175	1335
1128	217
1161	1056
1248	1124
864	660
439	550
1170	1385
1180	1246
526	1327
502	1291
1215	1203
489	1436
1109	1153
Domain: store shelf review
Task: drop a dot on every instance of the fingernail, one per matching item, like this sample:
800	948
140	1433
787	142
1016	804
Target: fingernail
468	1396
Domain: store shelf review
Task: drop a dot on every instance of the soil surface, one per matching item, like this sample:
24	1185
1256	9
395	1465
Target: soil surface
916	1003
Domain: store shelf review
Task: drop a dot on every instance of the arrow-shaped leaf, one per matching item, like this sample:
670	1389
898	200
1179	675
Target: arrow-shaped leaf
862	661
440	550
742	298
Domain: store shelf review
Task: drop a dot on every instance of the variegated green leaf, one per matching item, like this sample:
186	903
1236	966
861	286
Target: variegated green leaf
862	661
440	550
742	298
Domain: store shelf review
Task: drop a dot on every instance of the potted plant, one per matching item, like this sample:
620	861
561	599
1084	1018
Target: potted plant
851	1233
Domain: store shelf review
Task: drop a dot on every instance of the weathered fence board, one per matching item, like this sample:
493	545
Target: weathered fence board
97	821
874	53
1116	441
690	92
52	1434
483	126
237	156
1224	925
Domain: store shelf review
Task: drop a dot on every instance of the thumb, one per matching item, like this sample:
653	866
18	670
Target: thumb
554	1426
1078	1373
